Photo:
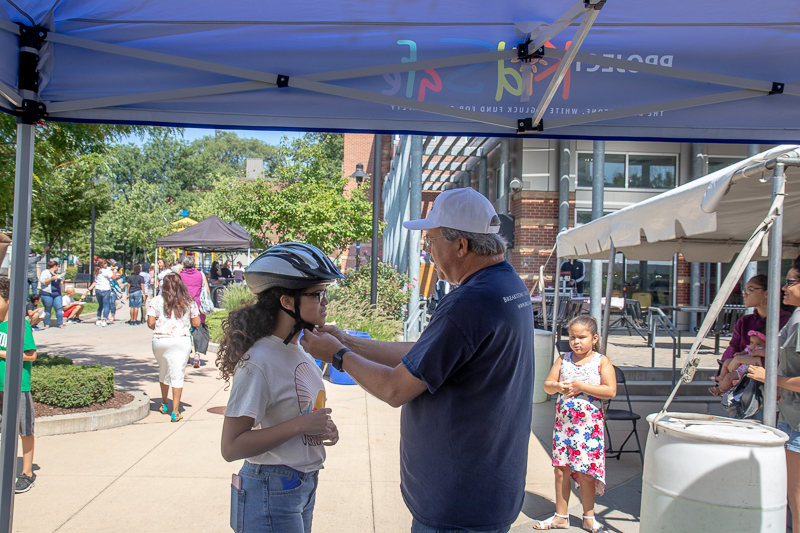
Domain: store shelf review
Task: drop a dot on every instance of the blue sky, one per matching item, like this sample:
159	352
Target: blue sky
269	137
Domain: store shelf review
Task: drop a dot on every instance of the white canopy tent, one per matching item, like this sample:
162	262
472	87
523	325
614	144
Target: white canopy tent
622	69
711	219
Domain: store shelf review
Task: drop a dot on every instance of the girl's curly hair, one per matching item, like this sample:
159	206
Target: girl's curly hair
245	325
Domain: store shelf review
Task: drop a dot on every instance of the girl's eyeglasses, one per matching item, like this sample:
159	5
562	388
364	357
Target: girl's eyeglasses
319	295
790	282
750	290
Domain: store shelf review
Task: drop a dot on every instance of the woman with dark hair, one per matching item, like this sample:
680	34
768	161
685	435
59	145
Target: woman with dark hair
789	381
195	282
215	273
276	417
755	296
102	289
170	315
51	294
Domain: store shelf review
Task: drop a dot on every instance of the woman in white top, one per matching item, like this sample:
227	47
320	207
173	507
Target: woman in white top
171	315
51	294
102	289
276	417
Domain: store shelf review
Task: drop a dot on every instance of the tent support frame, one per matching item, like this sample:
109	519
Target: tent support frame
774	301
612	254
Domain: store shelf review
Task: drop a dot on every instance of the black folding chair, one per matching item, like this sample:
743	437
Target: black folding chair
622	415
562	347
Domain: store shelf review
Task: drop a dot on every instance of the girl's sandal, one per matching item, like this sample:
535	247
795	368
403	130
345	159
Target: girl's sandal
176	417
196	363
595	527
163	409
548	524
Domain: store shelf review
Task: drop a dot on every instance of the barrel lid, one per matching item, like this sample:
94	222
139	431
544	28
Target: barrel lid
719	429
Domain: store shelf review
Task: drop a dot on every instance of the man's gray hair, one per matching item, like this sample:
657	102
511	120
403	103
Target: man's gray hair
187	261
481	244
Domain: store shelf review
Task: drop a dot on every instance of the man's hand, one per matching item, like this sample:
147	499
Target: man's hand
333	330
320	345
758	373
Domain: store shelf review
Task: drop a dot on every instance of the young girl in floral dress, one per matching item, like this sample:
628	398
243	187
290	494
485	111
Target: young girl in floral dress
581	377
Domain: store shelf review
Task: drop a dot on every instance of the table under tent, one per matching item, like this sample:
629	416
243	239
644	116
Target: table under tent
622	69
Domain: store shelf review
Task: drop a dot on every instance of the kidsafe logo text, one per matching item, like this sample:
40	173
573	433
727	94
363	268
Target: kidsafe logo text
515	77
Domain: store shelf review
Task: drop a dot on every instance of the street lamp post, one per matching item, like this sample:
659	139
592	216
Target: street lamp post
359	175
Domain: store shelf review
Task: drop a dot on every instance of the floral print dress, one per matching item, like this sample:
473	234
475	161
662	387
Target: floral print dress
578	437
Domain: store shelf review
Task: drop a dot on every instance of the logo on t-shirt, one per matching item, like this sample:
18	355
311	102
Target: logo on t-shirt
310	393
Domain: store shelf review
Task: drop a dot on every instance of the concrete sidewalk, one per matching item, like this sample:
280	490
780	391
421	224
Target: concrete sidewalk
160	476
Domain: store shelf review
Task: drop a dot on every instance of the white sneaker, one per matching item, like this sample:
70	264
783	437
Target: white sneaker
104	324
98	323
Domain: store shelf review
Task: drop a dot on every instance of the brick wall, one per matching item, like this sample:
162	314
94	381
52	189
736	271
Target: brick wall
536	226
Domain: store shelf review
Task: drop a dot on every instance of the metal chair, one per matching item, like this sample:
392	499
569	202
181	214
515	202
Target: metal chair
727	318
562	347
622	415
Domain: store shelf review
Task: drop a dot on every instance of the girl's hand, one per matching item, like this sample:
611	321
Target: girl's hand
332	436
563	387
316	422
758	373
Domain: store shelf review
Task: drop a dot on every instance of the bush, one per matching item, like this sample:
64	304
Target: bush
44	359
68	386
214	324
236	296
355	314
392	289
70	272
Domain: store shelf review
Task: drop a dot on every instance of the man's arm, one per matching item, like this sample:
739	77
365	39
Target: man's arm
384	353
393	385
4	242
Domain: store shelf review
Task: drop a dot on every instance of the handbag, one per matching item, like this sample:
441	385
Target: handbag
744	399
206	304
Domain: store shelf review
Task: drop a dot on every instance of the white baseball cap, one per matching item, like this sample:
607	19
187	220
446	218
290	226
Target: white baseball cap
462	209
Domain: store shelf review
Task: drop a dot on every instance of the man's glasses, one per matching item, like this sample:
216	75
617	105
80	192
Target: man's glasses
791	282
319	295
428	240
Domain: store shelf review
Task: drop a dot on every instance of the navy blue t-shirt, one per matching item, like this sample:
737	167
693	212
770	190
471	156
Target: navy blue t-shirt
464	442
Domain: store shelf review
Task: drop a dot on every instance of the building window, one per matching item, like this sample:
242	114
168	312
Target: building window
631	171
584	216
650	282
719	162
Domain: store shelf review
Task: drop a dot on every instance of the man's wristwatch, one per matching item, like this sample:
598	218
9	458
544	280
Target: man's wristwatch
337	359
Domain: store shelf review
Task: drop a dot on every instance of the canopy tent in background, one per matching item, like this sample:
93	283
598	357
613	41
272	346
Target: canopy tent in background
706	220
210	235
621	69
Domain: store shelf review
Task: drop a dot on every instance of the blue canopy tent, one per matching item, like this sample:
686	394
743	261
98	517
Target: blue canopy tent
622	69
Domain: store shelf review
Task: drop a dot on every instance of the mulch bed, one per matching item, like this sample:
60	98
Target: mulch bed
119	399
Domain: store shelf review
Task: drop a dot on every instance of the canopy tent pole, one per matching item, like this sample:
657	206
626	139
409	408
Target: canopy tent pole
23	180
598	201
376	213
609	287
774	301
555	300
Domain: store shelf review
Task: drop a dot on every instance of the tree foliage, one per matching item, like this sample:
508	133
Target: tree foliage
306	198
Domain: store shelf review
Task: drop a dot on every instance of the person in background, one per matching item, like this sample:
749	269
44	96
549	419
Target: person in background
34	314
788	387
151	289
26	416
102	289
144	267
4	242
163	270
118	289
215	273
226	270
136	288
171	315
72	307
195	281
50	292
33	277
238	267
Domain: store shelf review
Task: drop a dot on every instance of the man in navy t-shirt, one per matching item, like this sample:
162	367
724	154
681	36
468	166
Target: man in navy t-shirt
465	385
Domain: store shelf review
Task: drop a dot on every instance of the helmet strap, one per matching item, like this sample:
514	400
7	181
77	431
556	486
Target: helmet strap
299	324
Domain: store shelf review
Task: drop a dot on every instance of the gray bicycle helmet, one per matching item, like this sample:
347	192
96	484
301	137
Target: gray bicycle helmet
291	265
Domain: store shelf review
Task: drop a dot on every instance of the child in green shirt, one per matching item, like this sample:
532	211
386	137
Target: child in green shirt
26	416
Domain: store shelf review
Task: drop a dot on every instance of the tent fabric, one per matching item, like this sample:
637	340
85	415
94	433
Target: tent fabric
210	235
252	41
706	220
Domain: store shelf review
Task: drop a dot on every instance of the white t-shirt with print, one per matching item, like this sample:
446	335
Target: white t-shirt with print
43	277
278	383
171	326
102	281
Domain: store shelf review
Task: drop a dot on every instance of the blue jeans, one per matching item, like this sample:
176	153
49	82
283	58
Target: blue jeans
103	299
51	302
273	499
419	527
33	284
112	302
793	444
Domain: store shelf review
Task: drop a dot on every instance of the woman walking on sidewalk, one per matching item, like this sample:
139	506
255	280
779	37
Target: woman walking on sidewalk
102	289
170	315
276	417
51	294
195	281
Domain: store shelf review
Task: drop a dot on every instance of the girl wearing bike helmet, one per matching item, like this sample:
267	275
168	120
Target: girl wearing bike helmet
276	417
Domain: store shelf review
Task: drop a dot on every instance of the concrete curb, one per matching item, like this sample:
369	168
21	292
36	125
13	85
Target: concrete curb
136	410
213	347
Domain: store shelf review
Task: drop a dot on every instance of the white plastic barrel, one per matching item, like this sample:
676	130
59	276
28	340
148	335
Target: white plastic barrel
543	360
709	473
